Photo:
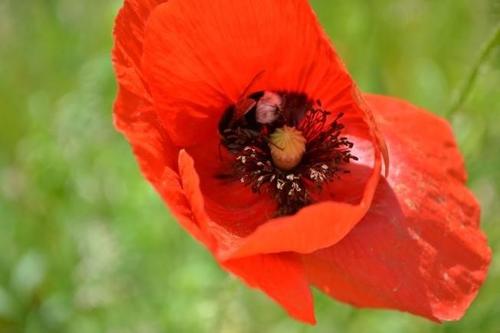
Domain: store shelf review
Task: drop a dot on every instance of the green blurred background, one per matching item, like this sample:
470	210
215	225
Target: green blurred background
87	246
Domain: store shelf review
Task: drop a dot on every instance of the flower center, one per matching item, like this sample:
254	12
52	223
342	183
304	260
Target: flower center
285	145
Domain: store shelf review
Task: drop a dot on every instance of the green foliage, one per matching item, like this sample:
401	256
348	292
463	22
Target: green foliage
87	246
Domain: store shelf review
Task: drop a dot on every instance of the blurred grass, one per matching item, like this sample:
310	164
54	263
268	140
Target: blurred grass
85	244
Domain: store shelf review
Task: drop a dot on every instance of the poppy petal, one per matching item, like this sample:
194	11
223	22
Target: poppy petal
200	56
129	36
135	117
419	248
156	156
282	277
312	228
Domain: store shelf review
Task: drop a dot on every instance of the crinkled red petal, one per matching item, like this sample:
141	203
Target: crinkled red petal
419	249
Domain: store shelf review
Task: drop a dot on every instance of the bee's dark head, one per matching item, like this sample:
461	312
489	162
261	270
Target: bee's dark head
235	116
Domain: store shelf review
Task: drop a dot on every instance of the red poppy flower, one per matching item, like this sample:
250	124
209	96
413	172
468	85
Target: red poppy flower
246	122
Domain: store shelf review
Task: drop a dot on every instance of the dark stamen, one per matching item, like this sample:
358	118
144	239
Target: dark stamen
325	157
